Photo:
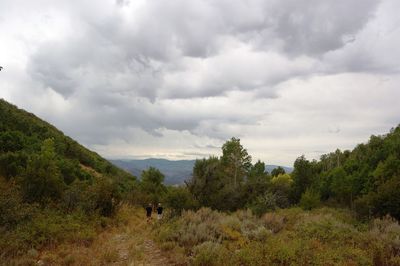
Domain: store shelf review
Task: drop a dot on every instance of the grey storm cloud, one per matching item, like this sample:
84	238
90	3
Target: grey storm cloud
316	27
143	53
138	72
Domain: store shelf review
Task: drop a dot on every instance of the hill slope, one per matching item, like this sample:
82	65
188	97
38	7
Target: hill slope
52	189
366	178
176	172
22	134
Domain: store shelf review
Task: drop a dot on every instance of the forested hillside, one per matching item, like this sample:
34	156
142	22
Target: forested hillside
22	134
52	188
366	180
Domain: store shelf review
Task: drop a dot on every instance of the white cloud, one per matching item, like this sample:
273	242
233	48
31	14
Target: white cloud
176	78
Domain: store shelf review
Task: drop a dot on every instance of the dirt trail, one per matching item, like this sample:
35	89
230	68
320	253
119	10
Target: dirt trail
134	246
150	253
128	244
156	258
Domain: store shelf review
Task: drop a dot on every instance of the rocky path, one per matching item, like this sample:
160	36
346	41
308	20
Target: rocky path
154	254
134	246
149	252
128	244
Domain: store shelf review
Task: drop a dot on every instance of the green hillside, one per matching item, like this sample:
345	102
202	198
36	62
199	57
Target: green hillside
22	134
366	179
52	188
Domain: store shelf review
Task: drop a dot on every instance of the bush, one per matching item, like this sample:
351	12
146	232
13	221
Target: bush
385	233
264	203
179	199
364	206
310	199
12	209
42	179
274	222
48	227
288	237
326	229
193	228
12	163
103	196
209	254
198	227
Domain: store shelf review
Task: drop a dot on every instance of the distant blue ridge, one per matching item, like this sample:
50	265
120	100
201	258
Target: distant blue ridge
176	172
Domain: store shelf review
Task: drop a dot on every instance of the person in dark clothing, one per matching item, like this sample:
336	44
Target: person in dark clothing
159	211
149	210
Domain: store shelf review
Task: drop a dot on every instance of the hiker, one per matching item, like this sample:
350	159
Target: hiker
149	210
159	211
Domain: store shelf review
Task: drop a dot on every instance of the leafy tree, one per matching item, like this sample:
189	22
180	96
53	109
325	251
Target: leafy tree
42	179
12	164
212	187
341	185
179	199
302	177
310	199
258	181
257	171
152	184
70	170
11	141
278	171
387	198
264	203
386	169
281	186
235	160
103	196
282	182
13	210
206	180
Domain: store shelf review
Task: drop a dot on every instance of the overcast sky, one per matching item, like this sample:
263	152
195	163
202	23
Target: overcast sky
175	79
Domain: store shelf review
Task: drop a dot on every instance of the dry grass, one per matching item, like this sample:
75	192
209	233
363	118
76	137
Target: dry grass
124	242
285	237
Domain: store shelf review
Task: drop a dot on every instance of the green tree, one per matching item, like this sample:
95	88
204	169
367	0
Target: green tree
264	203
12	164
235	160
278	171
258	181
386	169
11	141
342	185
206	180
310	199
152	184
42	179
302	177
179	199
281	186
103	196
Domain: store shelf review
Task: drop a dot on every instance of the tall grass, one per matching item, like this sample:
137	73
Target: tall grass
286	237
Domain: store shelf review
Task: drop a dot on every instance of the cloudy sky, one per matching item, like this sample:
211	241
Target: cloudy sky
175	79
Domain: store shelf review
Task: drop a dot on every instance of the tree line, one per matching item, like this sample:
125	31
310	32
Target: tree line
366	180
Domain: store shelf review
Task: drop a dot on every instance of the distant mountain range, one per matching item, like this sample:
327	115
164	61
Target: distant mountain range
176	172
